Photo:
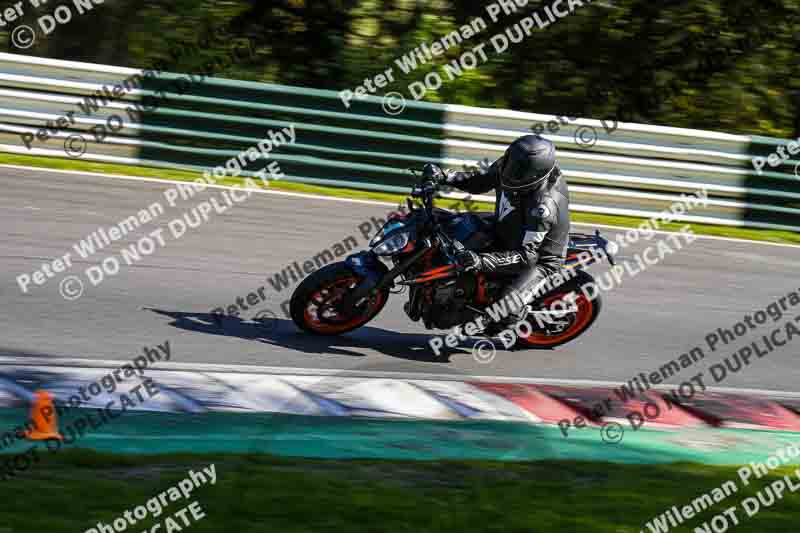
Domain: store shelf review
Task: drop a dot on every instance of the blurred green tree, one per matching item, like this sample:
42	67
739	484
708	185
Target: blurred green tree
712	64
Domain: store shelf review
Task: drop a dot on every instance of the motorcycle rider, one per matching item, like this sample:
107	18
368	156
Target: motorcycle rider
531	218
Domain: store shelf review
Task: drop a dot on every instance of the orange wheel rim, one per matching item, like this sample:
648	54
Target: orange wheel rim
320	317
583	316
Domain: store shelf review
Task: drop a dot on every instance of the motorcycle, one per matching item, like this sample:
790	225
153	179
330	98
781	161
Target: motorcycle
422	245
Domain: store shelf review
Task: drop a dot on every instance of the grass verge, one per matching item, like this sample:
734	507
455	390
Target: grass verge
72	491
776	236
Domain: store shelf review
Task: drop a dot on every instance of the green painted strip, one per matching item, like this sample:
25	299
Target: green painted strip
342	437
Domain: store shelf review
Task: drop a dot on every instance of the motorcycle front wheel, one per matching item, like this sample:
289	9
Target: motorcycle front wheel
315	305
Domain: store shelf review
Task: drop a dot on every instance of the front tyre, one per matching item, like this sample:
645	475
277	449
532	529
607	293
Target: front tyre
581	312
316	303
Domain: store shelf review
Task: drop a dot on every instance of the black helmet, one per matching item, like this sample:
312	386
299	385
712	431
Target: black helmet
528	163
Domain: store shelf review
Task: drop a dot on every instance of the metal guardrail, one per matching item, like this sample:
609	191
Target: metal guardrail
635	169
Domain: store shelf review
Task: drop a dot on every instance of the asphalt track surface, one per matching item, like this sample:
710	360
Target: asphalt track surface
648	320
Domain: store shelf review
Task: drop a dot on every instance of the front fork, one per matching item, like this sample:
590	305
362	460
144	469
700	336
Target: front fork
373	272
377	276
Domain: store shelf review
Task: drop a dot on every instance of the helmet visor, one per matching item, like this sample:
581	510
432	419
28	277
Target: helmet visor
519	178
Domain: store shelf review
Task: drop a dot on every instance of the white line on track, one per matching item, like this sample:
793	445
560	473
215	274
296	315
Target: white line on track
167	366
355	201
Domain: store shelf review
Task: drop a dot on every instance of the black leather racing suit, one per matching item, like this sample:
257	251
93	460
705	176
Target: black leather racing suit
531	229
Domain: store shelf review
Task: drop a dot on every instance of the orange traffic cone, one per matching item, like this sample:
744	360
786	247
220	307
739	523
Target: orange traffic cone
44	418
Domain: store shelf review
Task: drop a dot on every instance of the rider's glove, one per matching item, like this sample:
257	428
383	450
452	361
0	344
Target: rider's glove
469	260
431	171
452	176
509	261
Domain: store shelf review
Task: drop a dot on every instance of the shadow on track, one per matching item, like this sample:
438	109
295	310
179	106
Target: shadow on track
280	332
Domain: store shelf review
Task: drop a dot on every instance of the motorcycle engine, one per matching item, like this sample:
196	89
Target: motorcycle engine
449	300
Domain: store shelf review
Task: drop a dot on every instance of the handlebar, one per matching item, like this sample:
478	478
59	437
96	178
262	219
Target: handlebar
433	177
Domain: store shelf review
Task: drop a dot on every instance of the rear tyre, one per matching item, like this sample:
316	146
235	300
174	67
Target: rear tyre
313	306
582	313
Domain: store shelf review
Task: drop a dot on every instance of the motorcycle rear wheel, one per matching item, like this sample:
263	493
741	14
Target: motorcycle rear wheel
573	325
